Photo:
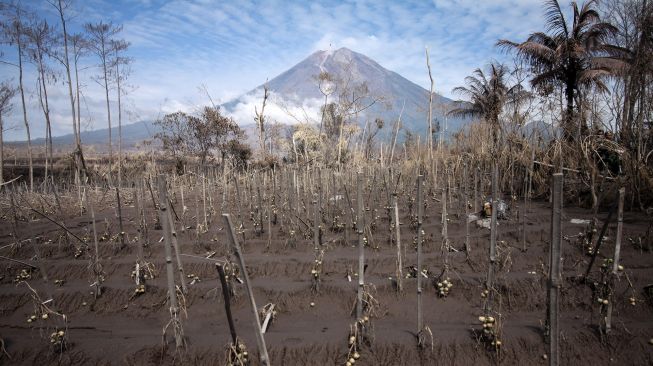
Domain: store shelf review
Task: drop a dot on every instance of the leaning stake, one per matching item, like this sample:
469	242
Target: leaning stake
227	303
233	242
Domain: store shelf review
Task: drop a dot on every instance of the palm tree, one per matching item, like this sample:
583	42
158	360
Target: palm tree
487	95
570	55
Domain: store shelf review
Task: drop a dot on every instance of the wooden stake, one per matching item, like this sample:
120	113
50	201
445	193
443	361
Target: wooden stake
137	206
445	232
206	224
175	246
476	204
555	270
120	227
615	265
465	198
227	302
397	233
420	214
361	245
233	241
165	224
316	223
493	236
96	263
269	210
259	205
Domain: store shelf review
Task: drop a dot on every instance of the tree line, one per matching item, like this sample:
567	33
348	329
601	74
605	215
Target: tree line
55	53
590	74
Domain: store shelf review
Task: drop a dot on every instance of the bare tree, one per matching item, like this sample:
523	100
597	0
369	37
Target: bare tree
100	36
186	135
327	87
118	46
7	92
40	38
61	7
176	135
13	31
80	49
631	95
260	118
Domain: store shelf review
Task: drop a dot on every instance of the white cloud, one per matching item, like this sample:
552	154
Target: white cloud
278	109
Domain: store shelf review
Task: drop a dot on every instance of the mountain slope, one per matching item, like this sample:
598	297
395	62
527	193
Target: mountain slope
295	96
132	134
297	88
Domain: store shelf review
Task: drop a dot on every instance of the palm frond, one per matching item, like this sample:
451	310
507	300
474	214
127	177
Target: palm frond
614	65
465	110
536	54
506	45
555	19
545	78
462	91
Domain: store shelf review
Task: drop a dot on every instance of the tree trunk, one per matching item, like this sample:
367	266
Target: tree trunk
46	112
119	127
430	135
79	112
22	99
76	124
567	128
106	92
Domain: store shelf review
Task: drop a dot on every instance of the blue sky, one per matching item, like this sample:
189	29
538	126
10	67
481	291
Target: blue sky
233	46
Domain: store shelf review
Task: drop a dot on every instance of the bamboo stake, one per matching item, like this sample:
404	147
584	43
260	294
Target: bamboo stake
137	206
476	204
615	265
227	302
397	233
316	223
183	208
599	241
165	224
175	246
420	213
120	227
466	195
233	241
14	217
361	245
96	263
269	210
206	224
445	233
225	190
555	270
143	218
259	205
493	235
